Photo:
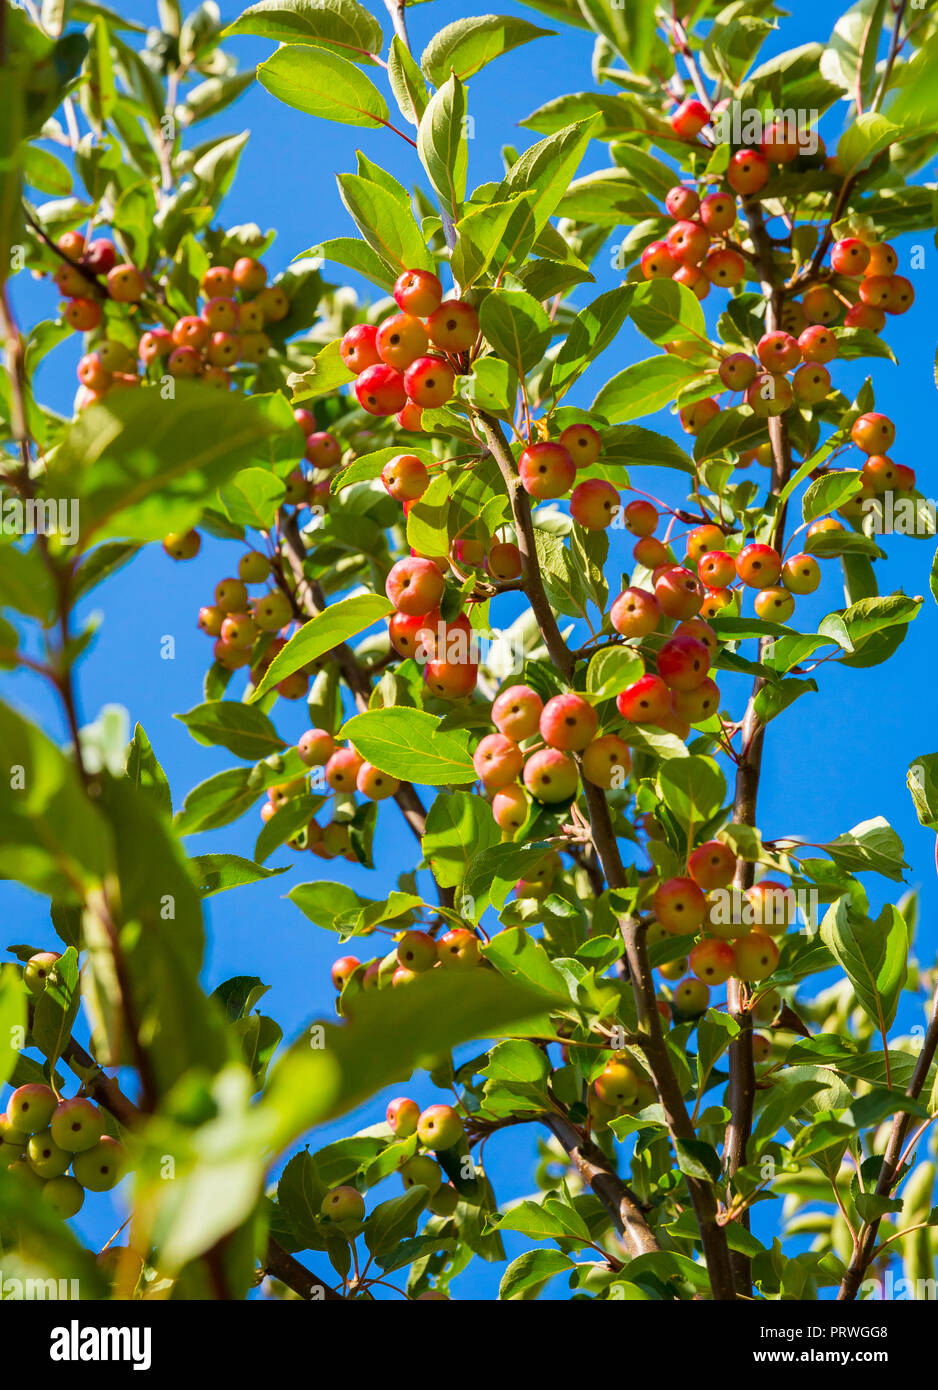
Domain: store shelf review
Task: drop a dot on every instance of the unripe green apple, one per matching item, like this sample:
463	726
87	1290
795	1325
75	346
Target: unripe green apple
444	1202
77	1125
416	950
100	1168
344	1205
30	1108
439	1127
422	1170
37	970
45	1157
65	1196
458	949
14	1138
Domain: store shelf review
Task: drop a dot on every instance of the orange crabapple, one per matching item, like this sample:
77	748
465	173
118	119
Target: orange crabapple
821	304
873	433
594	504
635	613
703	539
606	761
690	998
773	907
546	470
405	477
689	119
682	202
503	561
712	960
454	326
516	712
640	517
582	443
418	292
717	212
415	585
724	267
417	951
458	949
801	574
818	344
697	705
712	865
679	905
811	383
737	371
696	416
400	340
775	604
696	627
497	761
748	172
759	565
343	969
375	784
865	316
510	807
883	260
755	956
683	663
716	569
657	262
342	768
679	592
694	279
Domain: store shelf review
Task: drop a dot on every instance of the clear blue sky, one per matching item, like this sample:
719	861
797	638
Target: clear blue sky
833	760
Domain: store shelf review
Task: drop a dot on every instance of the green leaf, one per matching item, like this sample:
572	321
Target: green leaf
459	825
244	731
698	1159
51	837
525	1277
922	781
13	1018
57	1008
395	1220
323	84
479	234
519	1061
548	167
830	492
252	498
591	332
325	903
666	312
611	671
406	743
442	144
863	139
44	171
300	1195
139	466
635	446
343	25
517	955
547	1220
216	873
406	81
328	629
516	326
467	45
693	788
388	228
873	955
144	770
870	847
643	388
630	29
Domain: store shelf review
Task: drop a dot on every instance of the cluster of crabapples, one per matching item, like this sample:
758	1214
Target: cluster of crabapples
415	952
437	1129
237	305
43	1136
344	772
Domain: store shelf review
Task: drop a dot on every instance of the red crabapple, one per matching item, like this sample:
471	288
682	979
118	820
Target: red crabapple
865	316
688	242
679	592
380	390
154	343
429	382
716	569
322	450
717	212
517	712
657	261
412	633
811	383
415	585
883	259
850	256
375	784
737	371
902	296
503	561
82	314
497	760
759	565
125	284
778	351
748	172
696	627
683	663
712	961
682	202
703	539
689	119
568	722
818	344
693	278
359	348
551	775
635	613
641	518
342	769
450	680
645	701
724	267
418	292
697	705
594	504
546	470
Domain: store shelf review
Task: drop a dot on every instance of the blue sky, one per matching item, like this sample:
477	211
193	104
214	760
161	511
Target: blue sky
833	760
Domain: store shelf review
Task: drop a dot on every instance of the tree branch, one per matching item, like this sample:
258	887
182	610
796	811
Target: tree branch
654	1046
